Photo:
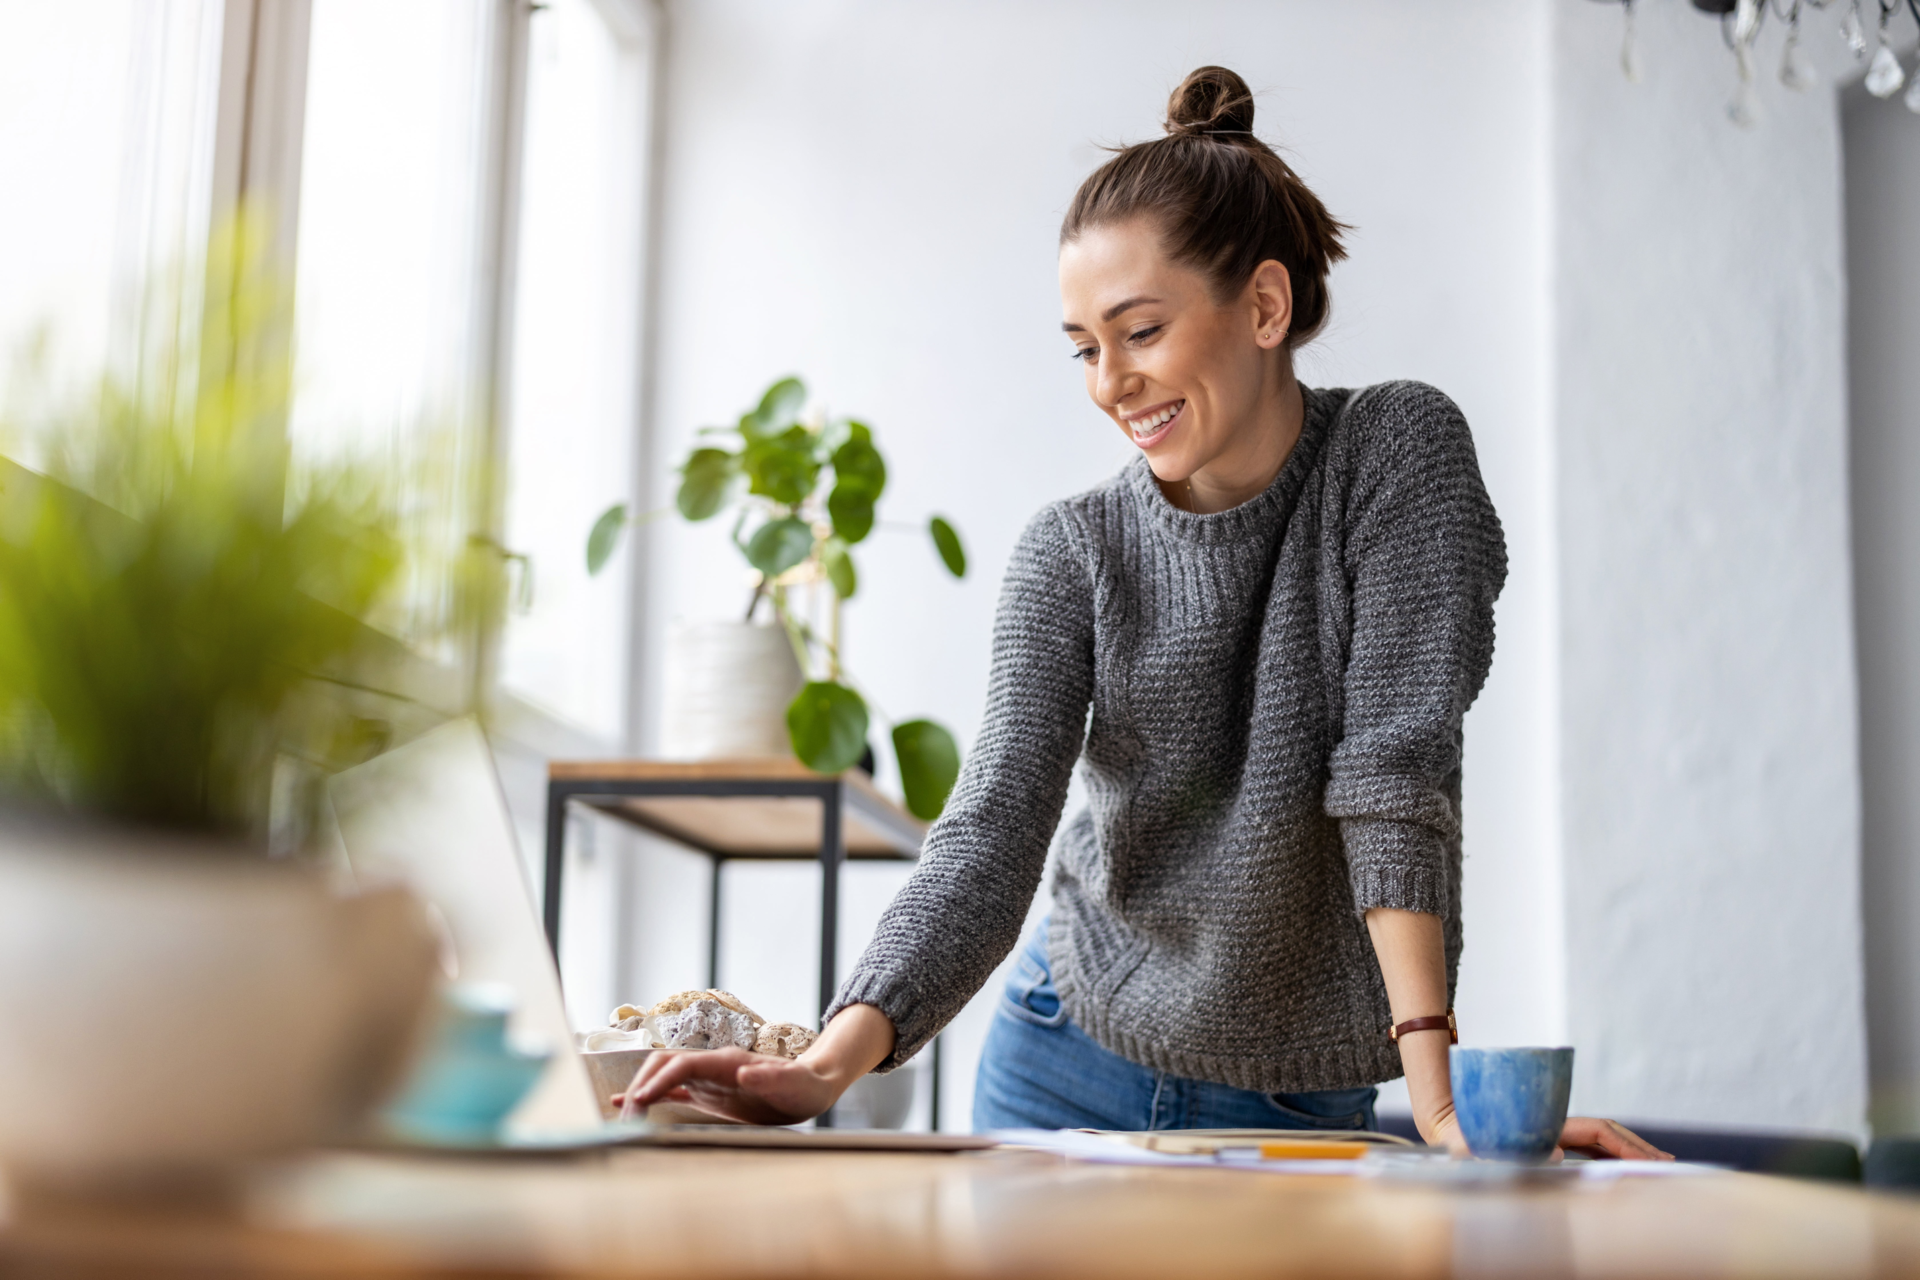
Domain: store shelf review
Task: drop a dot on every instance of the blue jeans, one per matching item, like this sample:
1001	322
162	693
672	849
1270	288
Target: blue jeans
1039	1071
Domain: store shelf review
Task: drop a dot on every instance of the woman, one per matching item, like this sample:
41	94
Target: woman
1259	640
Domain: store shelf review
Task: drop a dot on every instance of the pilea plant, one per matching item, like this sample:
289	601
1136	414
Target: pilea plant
804	493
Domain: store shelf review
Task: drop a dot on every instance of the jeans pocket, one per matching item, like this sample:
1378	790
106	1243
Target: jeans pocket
1333	1109
1030	996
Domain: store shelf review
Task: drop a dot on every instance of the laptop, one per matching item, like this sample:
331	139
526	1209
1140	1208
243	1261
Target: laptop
432	813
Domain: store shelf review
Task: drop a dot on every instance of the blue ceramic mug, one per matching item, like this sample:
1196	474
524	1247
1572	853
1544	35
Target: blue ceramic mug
1511	1103
469	1078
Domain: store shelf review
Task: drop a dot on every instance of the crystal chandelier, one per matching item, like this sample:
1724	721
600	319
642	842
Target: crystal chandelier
1865	26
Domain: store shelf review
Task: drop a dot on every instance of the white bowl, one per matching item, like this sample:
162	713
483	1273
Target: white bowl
611	1070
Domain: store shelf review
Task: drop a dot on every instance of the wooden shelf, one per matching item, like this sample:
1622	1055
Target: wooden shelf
742	826
747	826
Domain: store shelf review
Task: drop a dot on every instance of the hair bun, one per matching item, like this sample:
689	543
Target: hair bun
1210	100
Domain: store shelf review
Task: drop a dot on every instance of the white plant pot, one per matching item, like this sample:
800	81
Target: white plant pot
170	1009
727	689
878	1102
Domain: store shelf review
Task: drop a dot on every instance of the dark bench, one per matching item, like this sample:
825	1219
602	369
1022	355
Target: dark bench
1790	1155
1894	1162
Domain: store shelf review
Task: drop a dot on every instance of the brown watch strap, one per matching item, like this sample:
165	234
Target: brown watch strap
1445	1024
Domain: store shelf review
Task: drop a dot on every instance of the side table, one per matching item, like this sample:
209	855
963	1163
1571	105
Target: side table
737	811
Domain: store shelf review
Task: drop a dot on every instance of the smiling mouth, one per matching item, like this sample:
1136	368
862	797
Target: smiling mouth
1154	425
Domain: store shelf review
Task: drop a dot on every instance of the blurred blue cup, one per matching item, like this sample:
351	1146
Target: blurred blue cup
1511	1103
469	1078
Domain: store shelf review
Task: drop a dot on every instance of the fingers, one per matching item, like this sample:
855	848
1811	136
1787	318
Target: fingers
676	1069
653	1064
653	1082
678	1095
1631	1146
631	1108
1608	1137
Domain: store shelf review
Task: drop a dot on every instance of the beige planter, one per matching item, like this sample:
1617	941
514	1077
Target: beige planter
169	1010
727	689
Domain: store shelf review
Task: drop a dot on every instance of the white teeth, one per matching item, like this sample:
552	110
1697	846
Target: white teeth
1147	426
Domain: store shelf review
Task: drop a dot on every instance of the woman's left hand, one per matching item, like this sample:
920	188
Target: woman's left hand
1443	1131
1606	1139
1601	1139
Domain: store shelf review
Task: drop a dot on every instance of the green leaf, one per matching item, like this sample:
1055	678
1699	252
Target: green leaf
857	464
835	434
778	408
947	542
782	467
929	765
778	545
851	513
839	567
605	536
706	482
827	724
859	477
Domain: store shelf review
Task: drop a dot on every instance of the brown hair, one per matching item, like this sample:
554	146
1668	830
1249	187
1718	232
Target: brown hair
1224	200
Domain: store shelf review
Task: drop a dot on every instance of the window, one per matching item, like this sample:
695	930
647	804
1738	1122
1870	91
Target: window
574	355
468	272
106	140
457	190
391	301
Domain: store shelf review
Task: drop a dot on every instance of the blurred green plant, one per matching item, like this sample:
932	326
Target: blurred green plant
177	606
805	493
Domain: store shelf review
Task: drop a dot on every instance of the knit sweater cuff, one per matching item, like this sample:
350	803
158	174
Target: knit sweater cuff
1401	865
892	995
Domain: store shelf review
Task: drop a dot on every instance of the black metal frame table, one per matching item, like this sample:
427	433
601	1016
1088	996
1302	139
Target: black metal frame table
632	791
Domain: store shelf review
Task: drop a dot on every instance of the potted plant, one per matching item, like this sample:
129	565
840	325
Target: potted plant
178	622
803	492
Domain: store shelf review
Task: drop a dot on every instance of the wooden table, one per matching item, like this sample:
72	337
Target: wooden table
992	1214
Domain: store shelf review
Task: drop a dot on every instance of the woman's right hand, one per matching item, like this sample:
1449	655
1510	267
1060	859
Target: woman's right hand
733	1084
752	1088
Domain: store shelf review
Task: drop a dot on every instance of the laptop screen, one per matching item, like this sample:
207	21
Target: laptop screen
431	813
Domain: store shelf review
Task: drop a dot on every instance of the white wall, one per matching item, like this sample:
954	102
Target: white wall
1883	208
869	193
1640	308
1708	745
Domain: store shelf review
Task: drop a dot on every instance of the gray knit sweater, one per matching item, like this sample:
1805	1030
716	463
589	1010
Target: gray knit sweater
1273	748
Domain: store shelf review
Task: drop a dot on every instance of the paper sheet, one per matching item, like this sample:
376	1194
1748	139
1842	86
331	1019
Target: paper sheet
1098	1149
1389	1163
